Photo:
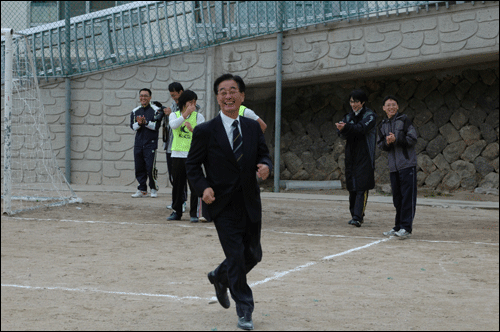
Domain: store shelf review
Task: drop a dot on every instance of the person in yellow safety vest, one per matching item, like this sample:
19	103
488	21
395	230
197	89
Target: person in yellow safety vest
248	113
183	123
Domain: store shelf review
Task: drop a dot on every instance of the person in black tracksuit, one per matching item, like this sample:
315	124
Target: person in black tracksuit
145	120
398	137
358	128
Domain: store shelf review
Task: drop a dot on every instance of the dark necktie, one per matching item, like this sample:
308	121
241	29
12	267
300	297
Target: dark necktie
237	144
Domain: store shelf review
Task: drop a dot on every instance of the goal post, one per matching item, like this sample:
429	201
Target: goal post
31	176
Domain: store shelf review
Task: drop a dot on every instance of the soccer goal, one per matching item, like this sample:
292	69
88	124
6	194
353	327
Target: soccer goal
31	177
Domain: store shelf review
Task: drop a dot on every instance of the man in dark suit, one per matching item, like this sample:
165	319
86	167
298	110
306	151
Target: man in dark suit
232	149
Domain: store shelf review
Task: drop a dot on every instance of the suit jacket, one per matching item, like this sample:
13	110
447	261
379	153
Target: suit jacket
210	147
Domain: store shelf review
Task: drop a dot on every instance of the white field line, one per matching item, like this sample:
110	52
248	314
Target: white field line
108	292
276	276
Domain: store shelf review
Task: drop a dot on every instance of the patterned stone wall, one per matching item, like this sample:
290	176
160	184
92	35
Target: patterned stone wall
455	113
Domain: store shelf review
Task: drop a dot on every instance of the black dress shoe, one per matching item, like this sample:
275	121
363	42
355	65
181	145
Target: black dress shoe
245	323
356	223
220	290
174	216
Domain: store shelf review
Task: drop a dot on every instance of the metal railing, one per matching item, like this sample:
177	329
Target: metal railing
145	30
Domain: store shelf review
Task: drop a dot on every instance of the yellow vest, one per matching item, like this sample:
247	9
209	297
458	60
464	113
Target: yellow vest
182	135
242	110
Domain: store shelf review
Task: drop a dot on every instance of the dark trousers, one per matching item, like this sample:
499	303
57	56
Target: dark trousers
180	178
404	196
357	204
171	177
145	164
240	240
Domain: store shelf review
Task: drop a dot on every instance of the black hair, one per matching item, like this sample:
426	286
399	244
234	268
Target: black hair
391	97
147	90
228	77
175	86
186	96
358	95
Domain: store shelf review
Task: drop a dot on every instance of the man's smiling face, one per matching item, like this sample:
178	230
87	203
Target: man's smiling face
229	98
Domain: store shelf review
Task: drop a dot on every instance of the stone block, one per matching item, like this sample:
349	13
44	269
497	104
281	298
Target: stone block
459	118
451	181
421	145
408	89
473	151
426	87
470	134
454	150
436	146
441	162
292	162
487	76
477	117
121	74
308	162
490	181
434	179
421	176
422	117
450	133
461	89
483	166
428	131
491	151
341	35
492	118
425	163
301	175
462	165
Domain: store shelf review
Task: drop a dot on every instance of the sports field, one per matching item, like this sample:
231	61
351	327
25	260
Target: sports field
115	263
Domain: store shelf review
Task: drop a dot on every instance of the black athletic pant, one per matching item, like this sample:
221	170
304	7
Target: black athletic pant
240	240
171	177
404	197
357	204
145	163
180	178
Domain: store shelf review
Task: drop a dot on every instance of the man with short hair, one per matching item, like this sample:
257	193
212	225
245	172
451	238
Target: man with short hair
145	120
358	128
232	150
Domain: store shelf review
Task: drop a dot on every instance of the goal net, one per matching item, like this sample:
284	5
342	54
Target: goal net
31	177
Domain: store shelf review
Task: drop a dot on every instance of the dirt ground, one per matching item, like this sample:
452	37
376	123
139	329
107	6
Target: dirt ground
115	263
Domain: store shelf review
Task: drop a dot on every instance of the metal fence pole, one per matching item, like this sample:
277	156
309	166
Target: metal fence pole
68	90
277	122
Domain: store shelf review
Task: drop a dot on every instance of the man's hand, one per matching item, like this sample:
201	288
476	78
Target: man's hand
262	171
340	125
390	139
188	126
141	120
208	195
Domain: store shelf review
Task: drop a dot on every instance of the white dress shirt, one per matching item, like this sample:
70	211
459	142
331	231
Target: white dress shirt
228	125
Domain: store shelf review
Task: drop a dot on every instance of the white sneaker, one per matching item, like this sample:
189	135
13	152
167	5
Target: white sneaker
389	233
140	193
402	234
154	193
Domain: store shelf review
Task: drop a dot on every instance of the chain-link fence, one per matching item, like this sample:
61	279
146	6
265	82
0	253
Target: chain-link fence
103	34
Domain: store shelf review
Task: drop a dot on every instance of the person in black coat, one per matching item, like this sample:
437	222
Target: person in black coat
232	149
359	129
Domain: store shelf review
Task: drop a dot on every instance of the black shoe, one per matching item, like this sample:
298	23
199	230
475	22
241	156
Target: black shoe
220	290
350	222
245	323
174	216
356	223
193	219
